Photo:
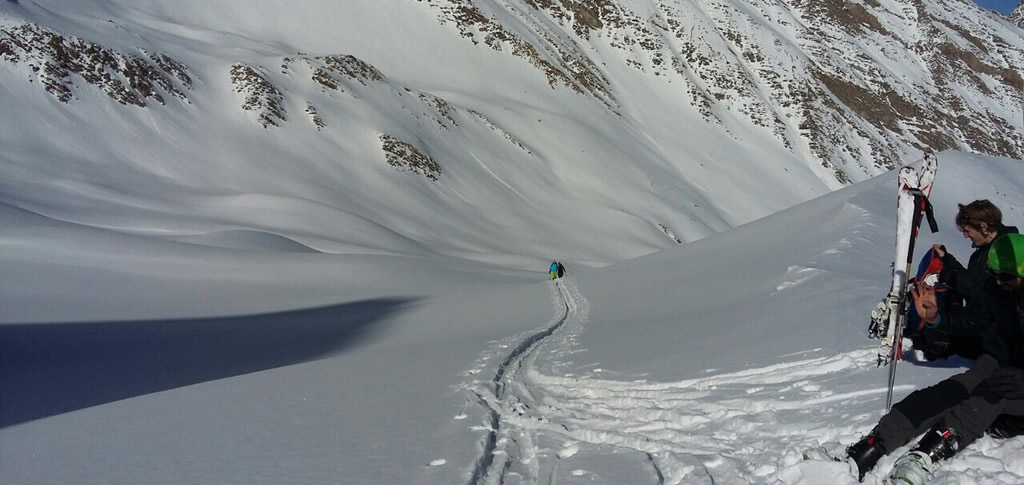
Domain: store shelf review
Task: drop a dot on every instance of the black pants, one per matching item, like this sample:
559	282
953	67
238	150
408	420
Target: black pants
962	402
938	345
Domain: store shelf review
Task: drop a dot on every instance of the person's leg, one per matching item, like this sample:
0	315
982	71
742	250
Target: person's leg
922	409
960	427
955	430
968	347
976	415
918	412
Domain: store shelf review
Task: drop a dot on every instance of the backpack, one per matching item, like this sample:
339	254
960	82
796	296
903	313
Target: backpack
946	297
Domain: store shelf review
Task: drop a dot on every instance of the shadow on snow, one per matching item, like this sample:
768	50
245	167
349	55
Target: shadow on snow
951	362
54	368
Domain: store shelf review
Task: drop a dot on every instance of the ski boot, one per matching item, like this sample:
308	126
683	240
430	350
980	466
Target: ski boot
864	454
918	466
822	454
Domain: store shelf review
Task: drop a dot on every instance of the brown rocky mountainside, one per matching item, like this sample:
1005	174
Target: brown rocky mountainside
853	85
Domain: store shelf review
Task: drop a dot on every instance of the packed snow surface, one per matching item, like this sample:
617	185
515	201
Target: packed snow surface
134	359
190	297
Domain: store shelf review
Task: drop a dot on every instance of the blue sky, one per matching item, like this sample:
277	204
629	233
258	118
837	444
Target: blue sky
1004	6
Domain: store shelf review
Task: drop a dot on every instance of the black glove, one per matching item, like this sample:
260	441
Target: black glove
1007	382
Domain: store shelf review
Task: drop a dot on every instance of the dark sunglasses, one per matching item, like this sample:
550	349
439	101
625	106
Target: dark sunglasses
1003	277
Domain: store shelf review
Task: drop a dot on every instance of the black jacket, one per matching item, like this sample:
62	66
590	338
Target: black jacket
969	281
997	317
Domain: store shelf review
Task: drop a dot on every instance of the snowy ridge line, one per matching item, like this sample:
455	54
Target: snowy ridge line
500	402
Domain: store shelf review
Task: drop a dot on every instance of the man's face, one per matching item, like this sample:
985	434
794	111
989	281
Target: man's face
1014	285
978	237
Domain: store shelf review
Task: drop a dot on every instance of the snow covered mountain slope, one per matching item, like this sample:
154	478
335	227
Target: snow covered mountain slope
264	242
622	127
716	362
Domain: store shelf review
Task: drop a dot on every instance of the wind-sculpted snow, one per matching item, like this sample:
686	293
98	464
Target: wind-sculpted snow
547	425
717	361
54	58
354	81
848	88
652	122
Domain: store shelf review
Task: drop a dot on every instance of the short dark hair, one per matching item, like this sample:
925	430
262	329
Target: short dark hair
977	213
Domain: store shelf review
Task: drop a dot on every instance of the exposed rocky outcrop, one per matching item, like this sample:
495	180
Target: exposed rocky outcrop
406	157
564	64
840	97
328	71
314	116
61	63
819	76
260	94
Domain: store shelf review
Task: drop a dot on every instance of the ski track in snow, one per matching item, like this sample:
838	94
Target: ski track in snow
503	397
535	419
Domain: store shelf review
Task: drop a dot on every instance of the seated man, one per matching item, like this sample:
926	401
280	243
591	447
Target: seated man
987	398
981	222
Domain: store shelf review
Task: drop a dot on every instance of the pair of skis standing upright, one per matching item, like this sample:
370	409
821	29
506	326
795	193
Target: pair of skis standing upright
889	317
